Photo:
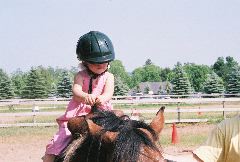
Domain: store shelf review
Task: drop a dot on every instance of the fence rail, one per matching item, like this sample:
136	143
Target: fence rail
179	120
117	100
134	100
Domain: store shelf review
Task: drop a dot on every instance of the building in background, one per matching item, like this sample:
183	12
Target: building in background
152	88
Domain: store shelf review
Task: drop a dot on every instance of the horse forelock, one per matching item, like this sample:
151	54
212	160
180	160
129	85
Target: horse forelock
110	122
128	145
130	138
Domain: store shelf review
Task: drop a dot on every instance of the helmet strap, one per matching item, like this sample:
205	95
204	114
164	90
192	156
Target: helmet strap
92	76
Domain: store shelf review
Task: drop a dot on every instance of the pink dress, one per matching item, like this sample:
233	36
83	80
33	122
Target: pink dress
63	136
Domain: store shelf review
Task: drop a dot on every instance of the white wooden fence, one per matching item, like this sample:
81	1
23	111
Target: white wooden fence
131	100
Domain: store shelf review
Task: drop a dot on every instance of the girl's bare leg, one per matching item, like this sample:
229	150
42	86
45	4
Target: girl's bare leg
48	158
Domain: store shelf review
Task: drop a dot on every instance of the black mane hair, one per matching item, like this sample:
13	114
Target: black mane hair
126	148
129	139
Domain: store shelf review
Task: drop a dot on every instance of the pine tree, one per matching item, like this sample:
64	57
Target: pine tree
53	91
168	87
6	87
35	85
138	90
48	78
181	83
160	90
213	84
233	81
18	79
148	62
120	88
64	87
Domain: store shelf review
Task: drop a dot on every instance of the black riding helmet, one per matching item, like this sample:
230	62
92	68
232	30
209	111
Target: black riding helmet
95	47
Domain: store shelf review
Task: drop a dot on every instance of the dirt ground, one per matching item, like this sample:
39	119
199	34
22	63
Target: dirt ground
31	148
25	149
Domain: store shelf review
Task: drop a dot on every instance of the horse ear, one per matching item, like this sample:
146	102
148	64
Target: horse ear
77	125
94	129
157	123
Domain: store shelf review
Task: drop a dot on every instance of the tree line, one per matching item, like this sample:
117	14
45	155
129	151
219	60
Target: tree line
41	82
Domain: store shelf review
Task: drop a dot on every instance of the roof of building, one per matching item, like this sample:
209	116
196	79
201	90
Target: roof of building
153	86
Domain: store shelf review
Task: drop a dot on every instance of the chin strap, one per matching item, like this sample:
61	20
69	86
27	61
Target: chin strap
92	76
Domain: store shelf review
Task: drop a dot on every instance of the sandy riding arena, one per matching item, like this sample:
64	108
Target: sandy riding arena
28	144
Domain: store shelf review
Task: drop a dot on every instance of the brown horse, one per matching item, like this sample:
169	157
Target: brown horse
101	136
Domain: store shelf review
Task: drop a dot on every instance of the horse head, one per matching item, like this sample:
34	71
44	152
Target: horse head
101	136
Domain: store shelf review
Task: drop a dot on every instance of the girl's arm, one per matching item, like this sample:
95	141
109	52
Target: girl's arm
78	94
107	91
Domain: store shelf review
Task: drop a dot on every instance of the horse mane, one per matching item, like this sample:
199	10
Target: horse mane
126	147
130	138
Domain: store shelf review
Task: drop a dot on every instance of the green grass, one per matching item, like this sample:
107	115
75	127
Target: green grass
184	140
38	119
28	108
23	131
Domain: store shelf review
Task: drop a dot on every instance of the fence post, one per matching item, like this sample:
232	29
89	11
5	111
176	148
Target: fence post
54	102
178	108
224	116
34	110
199	107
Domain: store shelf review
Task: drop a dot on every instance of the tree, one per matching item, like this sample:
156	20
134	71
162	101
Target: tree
181	84
213	84
148	62
118	70
146	89
35	85
222	68
166	74
151	73
64	87
137	76
219	67
160	90
48	78
230	62
138	90
197	75
53	92
19	82
233	81
148	73
120	88
168	87
6	88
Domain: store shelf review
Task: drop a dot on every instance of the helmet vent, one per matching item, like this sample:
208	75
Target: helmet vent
97	42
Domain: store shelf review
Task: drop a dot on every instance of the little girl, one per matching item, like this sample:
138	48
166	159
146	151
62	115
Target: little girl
93	85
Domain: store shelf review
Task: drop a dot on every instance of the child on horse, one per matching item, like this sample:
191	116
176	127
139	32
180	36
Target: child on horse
93	85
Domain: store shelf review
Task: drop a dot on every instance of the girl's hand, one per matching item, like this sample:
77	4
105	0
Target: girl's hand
90	99
100	100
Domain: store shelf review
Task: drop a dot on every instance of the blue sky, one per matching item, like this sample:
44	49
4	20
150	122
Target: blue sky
45	32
